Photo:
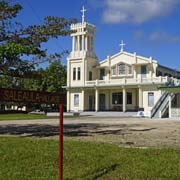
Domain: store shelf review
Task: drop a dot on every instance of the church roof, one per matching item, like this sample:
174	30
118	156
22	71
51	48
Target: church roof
131	55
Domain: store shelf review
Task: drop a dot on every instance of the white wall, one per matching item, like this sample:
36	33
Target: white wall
146	90
76	64
72	107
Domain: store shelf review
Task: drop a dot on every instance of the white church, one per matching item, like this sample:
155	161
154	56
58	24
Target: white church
122	82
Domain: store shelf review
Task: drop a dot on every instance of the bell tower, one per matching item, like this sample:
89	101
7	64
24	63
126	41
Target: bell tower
82	58
82	38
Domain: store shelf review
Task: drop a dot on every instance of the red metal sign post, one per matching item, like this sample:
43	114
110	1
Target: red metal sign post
60	173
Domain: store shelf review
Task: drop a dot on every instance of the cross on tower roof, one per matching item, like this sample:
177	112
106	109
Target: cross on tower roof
83	14
122	45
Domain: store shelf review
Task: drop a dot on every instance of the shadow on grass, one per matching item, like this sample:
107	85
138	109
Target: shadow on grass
70	130
29	130
98	173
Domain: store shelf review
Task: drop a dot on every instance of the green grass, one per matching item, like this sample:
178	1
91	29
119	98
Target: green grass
24	116
37	159
30	117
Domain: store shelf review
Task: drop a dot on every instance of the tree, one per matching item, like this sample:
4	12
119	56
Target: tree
55	77
18	42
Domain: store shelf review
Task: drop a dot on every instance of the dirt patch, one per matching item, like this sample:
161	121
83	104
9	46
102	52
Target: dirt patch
128	132
134	132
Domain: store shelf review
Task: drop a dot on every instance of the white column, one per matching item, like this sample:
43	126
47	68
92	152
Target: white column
83	71
109	68
140	97
96	100
170	105
135	73
83	43
68	73
78	44
92	43
86	43
151	73
89	43
73	43
68	101
90	38
82	99
124	99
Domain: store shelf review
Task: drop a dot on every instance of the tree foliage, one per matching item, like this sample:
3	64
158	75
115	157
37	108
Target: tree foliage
50	79
20	47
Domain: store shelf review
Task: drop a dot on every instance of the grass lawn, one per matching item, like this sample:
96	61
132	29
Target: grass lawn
28	158
29	116
24	116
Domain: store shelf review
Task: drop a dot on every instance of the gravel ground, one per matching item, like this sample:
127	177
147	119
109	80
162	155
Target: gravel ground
137	132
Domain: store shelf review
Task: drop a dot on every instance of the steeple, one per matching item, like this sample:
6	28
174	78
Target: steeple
82	38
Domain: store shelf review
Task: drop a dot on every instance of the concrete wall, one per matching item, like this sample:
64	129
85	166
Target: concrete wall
157	94
79	107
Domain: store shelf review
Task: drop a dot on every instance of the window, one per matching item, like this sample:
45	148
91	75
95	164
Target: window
159	73
117	98
74	73
76	100
79	73
102	74
114	70
143	69
80	43
129	98
150	99
121	69
90	75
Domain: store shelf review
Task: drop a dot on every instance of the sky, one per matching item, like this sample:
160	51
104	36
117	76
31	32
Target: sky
147	27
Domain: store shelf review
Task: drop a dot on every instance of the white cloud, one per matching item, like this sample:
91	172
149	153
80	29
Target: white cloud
137	11
161	36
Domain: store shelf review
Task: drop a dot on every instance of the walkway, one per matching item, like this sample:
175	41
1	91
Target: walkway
99	114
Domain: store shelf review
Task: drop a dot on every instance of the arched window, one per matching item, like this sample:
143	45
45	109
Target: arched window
121	69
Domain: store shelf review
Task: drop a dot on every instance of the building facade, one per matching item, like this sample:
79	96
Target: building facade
121	82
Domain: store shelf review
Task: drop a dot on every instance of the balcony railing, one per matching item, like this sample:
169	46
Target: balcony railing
128	81
78	54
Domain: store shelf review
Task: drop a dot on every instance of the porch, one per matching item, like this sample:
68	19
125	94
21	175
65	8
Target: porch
120	99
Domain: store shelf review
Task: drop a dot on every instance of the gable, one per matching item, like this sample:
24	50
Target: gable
126	58
122	58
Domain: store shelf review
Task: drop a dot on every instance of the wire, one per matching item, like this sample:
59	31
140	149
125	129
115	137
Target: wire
40	20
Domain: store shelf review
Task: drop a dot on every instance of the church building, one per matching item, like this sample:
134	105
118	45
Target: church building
122	82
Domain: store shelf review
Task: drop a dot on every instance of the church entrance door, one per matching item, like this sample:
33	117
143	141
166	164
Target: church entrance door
91	103
102	102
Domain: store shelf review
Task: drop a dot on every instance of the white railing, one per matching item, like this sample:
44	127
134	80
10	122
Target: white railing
77	54
158	103
126	81
175	112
